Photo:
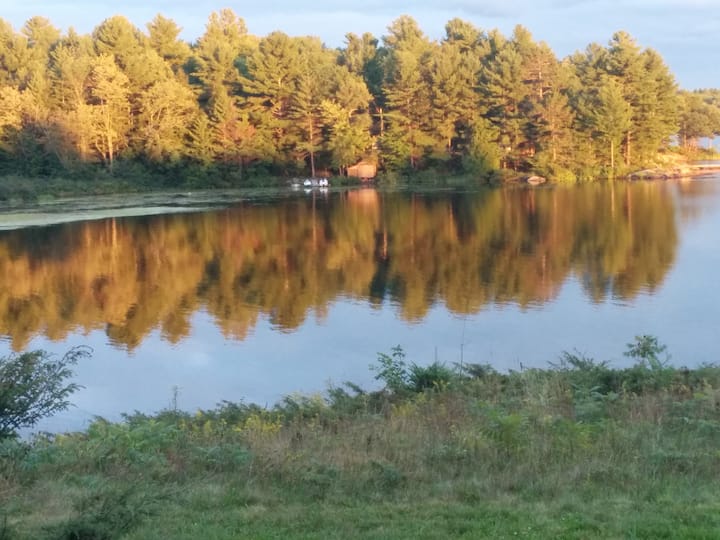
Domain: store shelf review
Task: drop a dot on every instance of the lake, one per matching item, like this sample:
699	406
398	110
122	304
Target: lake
226	296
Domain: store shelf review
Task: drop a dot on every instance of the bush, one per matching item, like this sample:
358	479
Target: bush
33	386
400	378
106	513
651	372
392	370
432	377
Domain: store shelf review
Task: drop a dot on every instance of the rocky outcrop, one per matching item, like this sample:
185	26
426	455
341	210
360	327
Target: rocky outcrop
661	174
682	171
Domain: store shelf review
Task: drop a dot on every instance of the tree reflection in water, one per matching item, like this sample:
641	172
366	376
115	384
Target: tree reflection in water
295	256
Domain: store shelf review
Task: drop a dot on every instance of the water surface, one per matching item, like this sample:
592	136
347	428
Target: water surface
252	298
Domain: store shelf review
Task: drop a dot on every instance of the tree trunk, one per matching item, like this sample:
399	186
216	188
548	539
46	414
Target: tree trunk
312	151
111	150
627	149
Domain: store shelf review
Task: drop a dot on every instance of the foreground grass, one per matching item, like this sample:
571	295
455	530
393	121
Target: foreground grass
576	451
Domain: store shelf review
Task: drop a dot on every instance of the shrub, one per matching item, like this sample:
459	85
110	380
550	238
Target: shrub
434	376
33	385
106	513
392	370
651	372
400	378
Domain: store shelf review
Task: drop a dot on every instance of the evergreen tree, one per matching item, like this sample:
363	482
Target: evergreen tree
201	140
407	93
40	36
483	155
650	91
119	38
612	117
163	39
346	120
503	94
656	116
362	56
14	57
453	81
269	89
220	52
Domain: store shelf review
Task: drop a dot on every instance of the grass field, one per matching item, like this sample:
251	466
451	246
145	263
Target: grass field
578	450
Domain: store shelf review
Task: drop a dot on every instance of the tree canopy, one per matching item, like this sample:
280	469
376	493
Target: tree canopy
234	104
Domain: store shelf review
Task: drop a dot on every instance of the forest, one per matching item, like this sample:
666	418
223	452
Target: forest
233	106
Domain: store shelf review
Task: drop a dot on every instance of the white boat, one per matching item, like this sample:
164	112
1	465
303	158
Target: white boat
535	180
316	182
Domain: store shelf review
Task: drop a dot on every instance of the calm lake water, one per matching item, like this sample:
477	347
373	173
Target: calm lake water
254	298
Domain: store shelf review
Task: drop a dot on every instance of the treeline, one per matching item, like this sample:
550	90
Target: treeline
699	117
286	262
235	105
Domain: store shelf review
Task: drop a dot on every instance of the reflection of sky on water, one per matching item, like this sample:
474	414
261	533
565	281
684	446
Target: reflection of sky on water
683	312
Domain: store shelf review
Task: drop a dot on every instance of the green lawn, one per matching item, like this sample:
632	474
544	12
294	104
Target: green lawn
578	451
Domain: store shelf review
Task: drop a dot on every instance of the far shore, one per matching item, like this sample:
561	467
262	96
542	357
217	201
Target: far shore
682	171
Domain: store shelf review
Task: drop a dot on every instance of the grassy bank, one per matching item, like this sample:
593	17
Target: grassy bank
19	190
578	450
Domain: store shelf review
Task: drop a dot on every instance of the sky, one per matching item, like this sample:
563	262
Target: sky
685	32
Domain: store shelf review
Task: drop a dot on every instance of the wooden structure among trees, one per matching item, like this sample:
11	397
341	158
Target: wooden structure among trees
363	170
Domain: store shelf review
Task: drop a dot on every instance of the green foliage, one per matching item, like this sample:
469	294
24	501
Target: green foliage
399	378
435	376
33	385
483	155
593	384
392	370
647	350
557	173
699	117
542	452
650	371
105	513
386	477
291	106
6	531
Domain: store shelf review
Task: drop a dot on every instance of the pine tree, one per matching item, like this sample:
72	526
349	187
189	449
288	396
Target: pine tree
346	120
453	76
407	93
220	53
163	39
612	117
503	95
14	57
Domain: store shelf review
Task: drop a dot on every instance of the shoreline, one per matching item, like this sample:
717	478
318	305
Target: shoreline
685	171
578	450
